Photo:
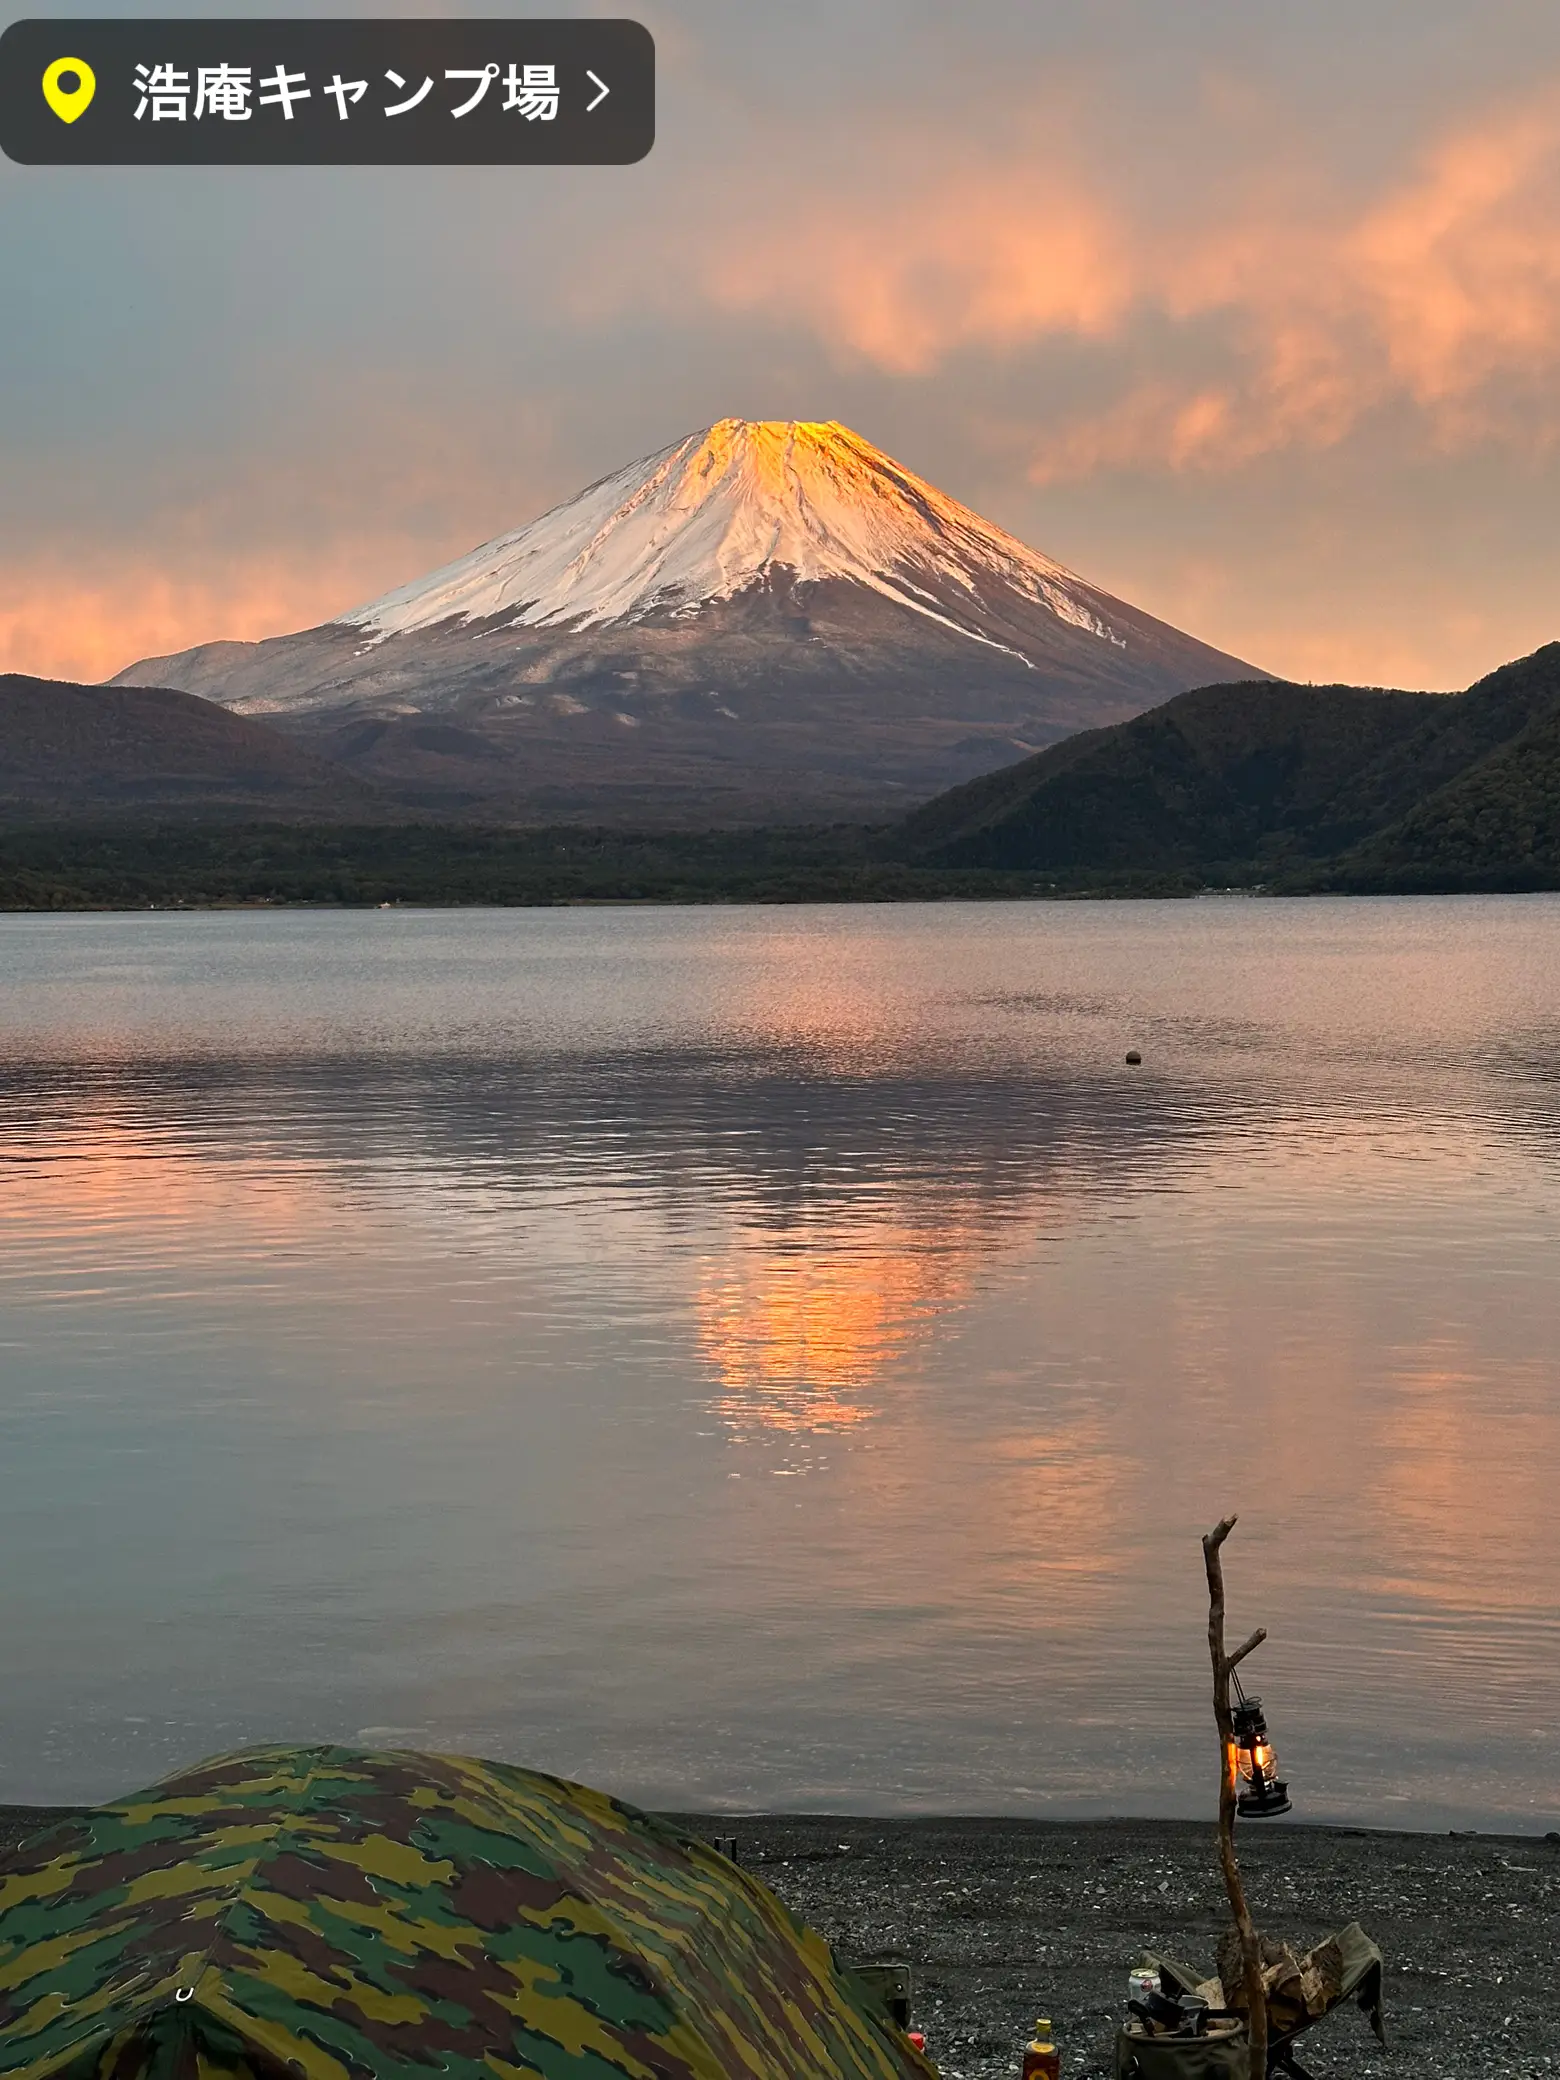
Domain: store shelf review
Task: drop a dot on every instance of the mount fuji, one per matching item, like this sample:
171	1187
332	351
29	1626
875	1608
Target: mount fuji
767	620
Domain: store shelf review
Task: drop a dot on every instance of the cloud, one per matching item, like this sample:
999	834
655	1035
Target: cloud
1271	311
906	284
58	621
247	543
1461	265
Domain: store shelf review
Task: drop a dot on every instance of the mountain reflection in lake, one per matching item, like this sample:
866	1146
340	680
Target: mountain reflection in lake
786	1356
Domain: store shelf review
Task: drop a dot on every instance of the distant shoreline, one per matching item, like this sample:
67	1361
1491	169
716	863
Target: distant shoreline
17	1822
138	867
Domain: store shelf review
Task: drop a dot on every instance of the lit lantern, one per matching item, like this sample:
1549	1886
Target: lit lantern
1263	1793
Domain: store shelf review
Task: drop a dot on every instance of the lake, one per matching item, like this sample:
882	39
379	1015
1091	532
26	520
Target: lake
756	1358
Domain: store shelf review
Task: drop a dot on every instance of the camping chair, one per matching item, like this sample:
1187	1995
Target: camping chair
1217	2052
889	1987
1288	2019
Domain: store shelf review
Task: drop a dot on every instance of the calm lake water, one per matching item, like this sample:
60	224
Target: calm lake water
784	1357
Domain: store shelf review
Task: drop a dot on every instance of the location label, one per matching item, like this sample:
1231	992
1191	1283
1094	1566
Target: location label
500	91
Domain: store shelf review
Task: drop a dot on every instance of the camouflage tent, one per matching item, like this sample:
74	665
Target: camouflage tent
329	1913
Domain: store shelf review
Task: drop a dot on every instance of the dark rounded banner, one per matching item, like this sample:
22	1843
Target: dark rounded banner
327	93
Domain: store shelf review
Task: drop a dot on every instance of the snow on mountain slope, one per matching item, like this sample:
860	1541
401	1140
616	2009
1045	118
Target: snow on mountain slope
714	514
765	621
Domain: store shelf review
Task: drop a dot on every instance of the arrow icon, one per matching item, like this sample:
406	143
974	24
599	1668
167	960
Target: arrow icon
605	91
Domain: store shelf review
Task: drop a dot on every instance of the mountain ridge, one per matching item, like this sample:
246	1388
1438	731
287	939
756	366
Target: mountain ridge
765	621
71	750
1268	786
1311	786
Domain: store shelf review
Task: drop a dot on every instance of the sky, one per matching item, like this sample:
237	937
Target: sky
1247	310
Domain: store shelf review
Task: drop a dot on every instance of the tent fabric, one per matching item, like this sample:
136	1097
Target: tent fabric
327	1913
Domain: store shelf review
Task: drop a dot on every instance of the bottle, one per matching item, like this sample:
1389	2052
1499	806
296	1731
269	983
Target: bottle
1042	2060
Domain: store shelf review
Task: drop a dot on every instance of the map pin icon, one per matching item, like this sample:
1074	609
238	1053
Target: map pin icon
68	87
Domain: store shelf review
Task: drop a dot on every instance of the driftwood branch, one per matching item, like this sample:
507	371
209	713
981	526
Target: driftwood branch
1250	1647
1223	1666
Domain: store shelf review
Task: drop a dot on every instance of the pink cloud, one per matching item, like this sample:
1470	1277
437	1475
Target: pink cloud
277	541
1461	264
1274	311
905	282
59	622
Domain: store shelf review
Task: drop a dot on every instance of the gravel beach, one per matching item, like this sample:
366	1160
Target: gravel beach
1006	1919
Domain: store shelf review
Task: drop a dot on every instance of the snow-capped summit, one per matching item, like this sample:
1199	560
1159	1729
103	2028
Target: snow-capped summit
770	619
717	513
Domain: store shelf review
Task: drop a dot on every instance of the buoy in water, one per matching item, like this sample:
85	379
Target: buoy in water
1133	1058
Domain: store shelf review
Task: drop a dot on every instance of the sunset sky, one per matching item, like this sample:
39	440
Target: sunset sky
1249	310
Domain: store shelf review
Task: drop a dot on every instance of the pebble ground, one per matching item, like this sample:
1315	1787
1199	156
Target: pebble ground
1003	1920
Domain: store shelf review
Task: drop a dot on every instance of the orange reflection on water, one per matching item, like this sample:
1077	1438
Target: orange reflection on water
94	1174
1464	1451
797	1335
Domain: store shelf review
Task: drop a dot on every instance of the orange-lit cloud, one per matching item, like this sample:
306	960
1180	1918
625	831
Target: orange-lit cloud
1312	308
1310	627
59	623
274	542
1461	263
954	266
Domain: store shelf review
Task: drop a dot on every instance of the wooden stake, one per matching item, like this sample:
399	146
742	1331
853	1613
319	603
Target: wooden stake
1224	1666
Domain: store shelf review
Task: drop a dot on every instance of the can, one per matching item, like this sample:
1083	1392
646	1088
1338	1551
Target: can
1142	1980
